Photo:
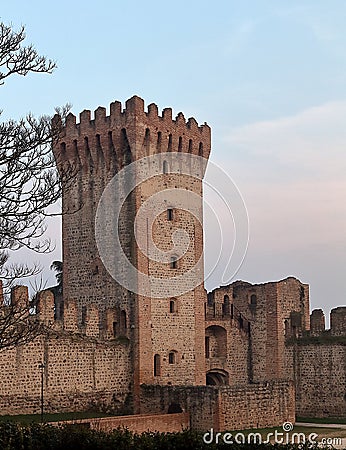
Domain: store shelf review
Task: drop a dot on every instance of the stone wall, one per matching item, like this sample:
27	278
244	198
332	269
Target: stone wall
79	374
81	370
318	366
321	379
225	408
260	405
269	311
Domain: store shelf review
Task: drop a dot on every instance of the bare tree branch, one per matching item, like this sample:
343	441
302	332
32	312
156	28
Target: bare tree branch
29	184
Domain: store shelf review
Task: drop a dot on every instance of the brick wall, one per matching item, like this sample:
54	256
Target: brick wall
139	423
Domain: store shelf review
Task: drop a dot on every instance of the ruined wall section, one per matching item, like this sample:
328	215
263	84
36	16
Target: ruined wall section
227	340
274	310
252	301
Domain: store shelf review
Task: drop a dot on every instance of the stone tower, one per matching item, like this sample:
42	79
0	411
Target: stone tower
166	333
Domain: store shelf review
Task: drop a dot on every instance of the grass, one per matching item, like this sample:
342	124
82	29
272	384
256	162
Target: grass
336	420
58	417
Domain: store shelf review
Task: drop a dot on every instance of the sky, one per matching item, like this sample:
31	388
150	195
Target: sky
268	77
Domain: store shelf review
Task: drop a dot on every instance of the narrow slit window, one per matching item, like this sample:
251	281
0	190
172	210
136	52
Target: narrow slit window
207	347
170	214
157	365
172	308
174	262
200	149
180	144
123	322
159	141
165	167
84	315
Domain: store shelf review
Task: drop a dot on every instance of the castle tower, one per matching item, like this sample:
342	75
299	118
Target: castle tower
165	329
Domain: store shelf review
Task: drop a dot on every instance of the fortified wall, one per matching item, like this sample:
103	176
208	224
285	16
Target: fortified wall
318	366
81	370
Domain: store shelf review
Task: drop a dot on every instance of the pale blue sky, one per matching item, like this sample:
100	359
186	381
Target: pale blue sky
270	79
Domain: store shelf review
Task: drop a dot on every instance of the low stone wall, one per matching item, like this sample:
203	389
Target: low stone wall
256	406
163	423
225	408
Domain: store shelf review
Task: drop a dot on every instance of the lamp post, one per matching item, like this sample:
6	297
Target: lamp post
41	367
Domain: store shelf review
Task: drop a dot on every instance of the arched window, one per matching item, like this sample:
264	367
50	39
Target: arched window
164	167
180	145
172	305
216	344
253	299
157	365
200	149
172	357
159	141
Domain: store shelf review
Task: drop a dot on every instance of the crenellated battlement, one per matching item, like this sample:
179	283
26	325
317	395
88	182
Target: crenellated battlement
123	116
103	139
85	320
337	322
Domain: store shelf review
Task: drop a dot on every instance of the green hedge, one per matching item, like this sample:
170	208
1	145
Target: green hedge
14	436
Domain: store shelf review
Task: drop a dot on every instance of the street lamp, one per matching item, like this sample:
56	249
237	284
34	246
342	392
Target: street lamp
41	366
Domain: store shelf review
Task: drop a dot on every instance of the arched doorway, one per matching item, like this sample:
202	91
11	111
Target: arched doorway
217	377
174	408
216	342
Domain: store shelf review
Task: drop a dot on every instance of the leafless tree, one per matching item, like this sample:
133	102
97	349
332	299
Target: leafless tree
29	180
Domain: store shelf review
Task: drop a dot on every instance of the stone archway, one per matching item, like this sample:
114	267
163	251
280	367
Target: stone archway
217	377
216	342
174	408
